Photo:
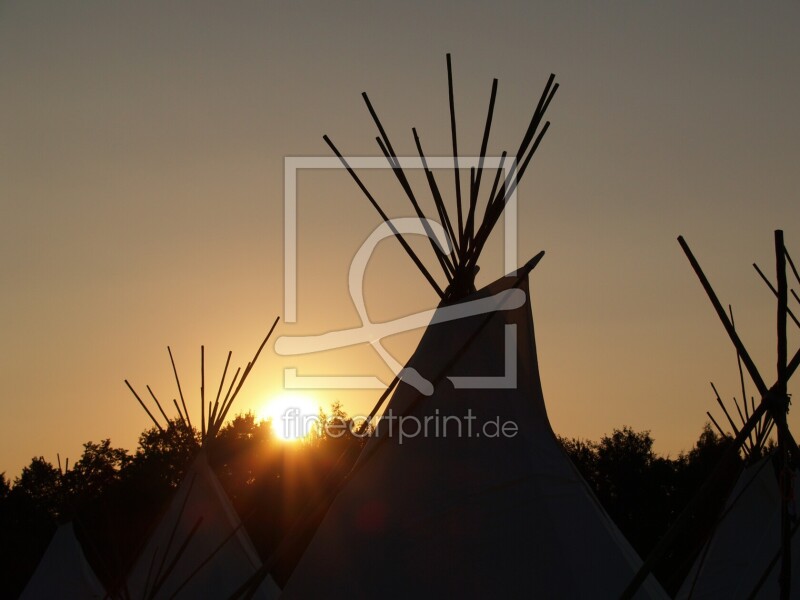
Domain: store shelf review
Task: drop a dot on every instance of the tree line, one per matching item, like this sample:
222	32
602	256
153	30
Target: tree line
114	497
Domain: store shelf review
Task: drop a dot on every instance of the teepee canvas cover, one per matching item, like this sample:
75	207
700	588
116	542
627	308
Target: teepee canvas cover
210	563
745	542
63	571
469	516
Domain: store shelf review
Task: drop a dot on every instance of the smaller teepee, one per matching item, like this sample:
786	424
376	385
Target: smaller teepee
63	571
199	548
743	555
749	549
750	518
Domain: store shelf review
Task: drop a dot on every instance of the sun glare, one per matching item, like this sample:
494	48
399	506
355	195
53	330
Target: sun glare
292	415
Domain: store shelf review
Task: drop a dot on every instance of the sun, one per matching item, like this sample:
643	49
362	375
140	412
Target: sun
292	415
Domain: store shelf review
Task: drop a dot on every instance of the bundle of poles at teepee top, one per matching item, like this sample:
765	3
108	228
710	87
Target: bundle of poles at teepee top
210	422
755	441
464	238
773	407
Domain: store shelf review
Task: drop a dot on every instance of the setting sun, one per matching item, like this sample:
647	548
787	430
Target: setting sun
292	415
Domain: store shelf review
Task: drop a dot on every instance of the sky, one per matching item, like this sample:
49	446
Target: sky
143	149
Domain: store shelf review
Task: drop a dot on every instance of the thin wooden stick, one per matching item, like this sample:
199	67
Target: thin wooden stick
473	200
780	419
385	218
391	157
245	373
791	264
760	426
244	376
768	430
739	363
714	421
158	404
378	404
492	194
739	410
750	441
149	414
507	190
60	470
475	190
456	171
180	414
437	198
541	108
517	169
440	255
230	388
221	383
748	362
744	393
728	416
203	391
774	291
178	381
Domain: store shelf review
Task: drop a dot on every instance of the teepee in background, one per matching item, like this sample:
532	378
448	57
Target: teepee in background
63	571
484	501
742	556
199	548
748	550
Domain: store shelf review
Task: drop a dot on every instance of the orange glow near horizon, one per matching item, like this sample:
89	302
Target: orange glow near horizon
292	415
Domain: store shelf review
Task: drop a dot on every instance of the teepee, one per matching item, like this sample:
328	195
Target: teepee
742	557
751	518
464	490
199	548
63	571
750	549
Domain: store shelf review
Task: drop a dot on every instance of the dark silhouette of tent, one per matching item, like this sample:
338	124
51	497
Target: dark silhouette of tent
452	513
755	524
199	548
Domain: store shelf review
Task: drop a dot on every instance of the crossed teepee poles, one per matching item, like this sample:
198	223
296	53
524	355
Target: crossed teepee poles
774	406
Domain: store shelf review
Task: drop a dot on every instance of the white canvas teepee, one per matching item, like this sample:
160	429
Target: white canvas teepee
63	571
742	556
199	548
469	513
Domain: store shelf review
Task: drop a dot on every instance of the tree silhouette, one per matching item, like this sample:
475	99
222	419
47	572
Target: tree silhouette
114	497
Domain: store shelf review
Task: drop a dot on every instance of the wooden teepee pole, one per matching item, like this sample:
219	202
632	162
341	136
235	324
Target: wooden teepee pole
180	392
780	418
149	414
437	198
456	171
391	156
475	188
771	400
385	218
776	292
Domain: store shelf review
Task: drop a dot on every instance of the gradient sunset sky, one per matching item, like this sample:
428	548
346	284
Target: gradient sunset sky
142	150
